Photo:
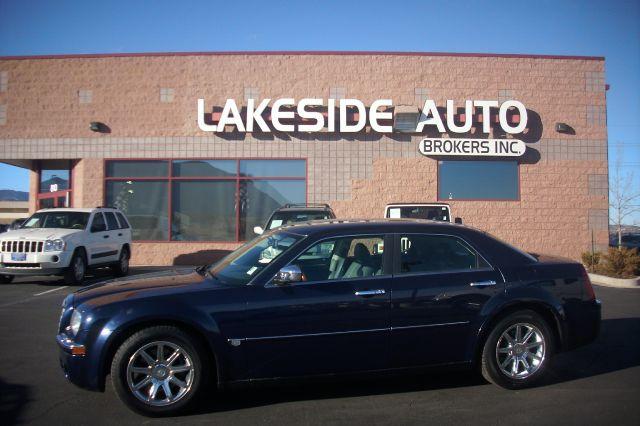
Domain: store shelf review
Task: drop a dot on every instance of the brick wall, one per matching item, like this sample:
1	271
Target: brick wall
149	104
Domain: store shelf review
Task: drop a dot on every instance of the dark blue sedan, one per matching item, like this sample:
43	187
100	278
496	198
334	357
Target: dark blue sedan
329	298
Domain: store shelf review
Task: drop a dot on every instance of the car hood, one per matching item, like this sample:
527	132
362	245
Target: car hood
38	234
173	280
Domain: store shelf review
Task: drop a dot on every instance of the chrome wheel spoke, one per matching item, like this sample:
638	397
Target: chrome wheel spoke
178	382
506	361
141	370
143	383
167	390
180	369
160	353
173	357
153	391
527	336
147	358
533	345
504	350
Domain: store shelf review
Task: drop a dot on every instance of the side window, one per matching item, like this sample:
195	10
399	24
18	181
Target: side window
111	221
123	222
343	258
98	224
437	253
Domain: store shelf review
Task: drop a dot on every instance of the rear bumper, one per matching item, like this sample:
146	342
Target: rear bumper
584	324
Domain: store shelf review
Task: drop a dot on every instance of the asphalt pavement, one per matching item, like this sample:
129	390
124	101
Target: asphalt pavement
597	384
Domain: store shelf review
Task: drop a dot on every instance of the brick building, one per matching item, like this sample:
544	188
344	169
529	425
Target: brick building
189	191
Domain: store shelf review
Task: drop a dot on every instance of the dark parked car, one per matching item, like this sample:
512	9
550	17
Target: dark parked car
329	298
295	213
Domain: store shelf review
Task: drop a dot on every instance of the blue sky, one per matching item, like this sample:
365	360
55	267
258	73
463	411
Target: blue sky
599	28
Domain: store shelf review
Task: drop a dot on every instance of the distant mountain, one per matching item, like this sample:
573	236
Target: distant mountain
11	195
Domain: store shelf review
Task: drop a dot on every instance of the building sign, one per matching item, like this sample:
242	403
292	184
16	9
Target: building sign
472	147
313	115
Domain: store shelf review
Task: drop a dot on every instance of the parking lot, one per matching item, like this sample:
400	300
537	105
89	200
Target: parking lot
598	384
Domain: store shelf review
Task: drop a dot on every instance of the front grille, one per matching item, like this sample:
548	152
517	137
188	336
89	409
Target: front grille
21	265
22	246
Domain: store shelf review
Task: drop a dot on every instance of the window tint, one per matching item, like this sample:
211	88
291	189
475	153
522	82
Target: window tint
267	168
111	220
123	222
146	205
205	168
342	258
98	224
437	253
478	180
149	168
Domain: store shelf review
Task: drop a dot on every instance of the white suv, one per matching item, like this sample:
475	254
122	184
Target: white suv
66	242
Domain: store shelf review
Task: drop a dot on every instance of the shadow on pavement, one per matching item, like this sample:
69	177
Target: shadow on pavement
617	348
13	399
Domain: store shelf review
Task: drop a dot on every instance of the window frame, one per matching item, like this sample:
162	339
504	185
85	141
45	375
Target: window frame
397	267
170	179
387	260
66	193
448	200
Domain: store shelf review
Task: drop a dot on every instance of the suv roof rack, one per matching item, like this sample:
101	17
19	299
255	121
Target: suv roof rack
289	205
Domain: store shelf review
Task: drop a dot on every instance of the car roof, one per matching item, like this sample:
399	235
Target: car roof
81	210
304	209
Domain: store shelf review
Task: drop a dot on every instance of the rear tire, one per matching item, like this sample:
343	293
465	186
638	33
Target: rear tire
6	279
518	350
159	382
122	267
77	268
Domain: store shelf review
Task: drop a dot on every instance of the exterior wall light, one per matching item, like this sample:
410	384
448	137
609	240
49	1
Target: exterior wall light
97	126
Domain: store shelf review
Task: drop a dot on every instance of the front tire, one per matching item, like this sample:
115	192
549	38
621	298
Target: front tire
6	279
122	267
77	268
159	371
517	351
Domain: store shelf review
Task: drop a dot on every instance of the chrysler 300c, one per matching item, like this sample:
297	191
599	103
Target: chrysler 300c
325	299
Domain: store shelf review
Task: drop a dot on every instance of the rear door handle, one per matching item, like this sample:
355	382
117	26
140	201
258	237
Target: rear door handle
482	283
105	236
369	293
120	234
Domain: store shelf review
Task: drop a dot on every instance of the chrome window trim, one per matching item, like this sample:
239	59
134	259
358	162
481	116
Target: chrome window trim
337	333
446	271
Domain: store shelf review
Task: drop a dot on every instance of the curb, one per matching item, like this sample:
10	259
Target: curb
605	281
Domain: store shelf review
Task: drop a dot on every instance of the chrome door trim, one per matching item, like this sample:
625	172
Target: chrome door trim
481	284
404	327
369	292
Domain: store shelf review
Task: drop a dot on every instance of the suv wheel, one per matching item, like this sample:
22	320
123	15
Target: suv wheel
77	268
122	267
158	371
517	351
6	279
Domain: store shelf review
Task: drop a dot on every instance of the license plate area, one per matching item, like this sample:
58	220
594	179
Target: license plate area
19	257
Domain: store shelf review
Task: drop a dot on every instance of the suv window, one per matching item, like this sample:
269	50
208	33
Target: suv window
98	224
123	222
111	220
343	258
437	253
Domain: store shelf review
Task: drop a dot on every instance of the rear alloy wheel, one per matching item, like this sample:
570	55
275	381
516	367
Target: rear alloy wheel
122	267
77	269
158	371
6	279
517	351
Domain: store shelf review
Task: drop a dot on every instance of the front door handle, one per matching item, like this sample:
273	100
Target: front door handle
369	293
105	236
482	283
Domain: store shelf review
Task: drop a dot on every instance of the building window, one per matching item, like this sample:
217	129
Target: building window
166	95
337	93
478	180
85	96
4	81
202	200
54	189
3	115
251	93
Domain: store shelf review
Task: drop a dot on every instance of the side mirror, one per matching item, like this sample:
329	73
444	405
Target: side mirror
458	220
258	230
289	274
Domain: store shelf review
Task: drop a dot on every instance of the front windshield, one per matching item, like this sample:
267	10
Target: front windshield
246	262
57	219
285	218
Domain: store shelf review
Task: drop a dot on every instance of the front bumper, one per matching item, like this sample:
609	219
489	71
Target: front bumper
44	263
76	368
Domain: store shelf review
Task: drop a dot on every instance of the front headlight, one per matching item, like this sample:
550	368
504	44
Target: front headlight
54	245
74	324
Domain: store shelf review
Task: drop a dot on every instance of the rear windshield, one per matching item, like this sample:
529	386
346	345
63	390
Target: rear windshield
440	213
289	217
63	220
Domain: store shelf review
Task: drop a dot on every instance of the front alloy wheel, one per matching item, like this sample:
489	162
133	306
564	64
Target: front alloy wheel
159	371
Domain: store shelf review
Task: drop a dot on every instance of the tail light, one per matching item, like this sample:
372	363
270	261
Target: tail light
588	288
